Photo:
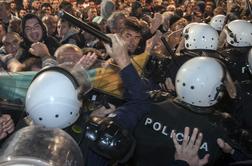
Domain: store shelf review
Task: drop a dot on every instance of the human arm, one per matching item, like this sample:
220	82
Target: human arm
116	126
12	64
40	50
236	154
137	100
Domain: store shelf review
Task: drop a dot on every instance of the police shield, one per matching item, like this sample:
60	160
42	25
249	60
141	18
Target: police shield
39	146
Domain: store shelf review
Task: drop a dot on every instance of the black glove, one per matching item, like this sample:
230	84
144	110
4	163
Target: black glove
109	139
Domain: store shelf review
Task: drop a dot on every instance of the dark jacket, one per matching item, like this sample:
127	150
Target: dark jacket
129	114
153	134
50	41
73	37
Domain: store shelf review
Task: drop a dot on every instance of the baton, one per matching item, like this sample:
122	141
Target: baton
84	26
167	46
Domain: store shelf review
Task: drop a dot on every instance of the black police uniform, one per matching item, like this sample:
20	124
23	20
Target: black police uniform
242	106
153	134
236	60
127	116
168	67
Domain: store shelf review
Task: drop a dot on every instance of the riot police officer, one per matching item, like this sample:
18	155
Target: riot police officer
200	84
235	54
199	39
238	43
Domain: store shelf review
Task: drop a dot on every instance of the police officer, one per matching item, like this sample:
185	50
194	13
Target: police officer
243	105
238	43
200	84
125	117
199	39
116	128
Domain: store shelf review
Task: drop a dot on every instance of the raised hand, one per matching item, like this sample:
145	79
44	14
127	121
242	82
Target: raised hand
188	150
87	60
118	51
225	147
39	49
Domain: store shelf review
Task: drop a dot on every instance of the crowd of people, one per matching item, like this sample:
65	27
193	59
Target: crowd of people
176	64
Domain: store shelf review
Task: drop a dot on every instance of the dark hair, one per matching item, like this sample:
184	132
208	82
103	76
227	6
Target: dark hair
133	23
65	5
113	19
65	21
46	5
23	22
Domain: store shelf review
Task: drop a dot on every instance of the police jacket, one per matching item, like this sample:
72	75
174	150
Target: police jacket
153	134
236	60
168	67
129	114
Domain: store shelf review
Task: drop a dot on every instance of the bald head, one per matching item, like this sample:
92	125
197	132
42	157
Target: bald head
68	53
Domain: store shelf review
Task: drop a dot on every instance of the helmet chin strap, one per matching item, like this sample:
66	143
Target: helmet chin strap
219	89
195	109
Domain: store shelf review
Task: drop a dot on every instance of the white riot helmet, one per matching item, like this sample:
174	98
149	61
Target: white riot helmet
186	28
52	98
201	36
199	81
218	21
239	33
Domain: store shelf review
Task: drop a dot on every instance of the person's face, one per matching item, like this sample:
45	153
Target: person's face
92	4
183	8
69	56
47	10
33	30
22	13
55	4
208	9
4	14
171	8
26	4
13	6
132	38
51	24
197	17
62	28
155	2
120	24
92	13
11	44
142	2
36	4
218	11
80	7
